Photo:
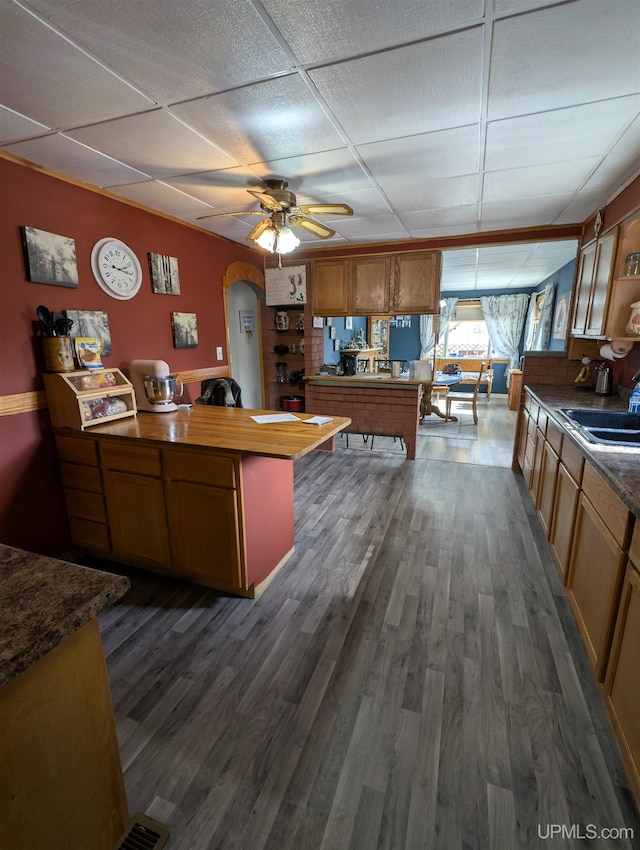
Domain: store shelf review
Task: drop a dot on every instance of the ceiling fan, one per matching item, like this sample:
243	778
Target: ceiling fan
281	209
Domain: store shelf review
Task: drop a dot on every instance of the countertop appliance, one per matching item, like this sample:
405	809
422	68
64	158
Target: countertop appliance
155	387
604	380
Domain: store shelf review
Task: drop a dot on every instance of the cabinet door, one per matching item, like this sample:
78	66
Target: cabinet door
595	578
416	283
564	517
137	519
205	541
583	290
329	287
522	438
369	285
622	691
601	284
547	486
536	465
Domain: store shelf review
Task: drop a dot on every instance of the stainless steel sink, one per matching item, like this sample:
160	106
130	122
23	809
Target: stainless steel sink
609	427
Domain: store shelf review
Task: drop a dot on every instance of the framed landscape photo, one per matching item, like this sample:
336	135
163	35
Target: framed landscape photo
50	258
165	278
185	330
91	323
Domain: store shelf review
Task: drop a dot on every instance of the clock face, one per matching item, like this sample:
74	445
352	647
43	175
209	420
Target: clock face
116	268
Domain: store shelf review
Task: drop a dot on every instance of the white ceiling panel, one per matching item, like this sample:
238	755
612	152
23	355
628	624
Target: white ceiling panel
448	153
428	86
430	118
277	118
31	79
174	49
69	157
155	143
560	135
14	127
321	31
553	58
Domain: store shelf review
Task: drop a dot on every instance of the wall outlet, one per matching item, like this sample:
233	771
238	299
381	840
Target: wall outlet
219	352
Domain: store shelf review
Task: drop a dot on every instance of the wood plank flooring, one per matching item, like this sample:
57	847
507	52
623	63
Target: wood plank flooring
411	679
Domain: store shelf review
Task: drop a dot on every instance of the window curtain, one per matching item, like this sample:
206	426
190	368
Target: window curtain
505	316
538	327
427	336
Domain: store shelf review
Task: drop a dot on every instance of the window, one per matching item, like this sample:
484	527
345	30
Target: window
467	334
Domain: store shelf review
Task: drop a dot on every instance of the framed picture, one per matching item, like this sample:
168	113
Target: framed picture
91	323
336	345
318	322
50	258
348	323
246	321
185	330
332	333
165	279
561	316
285	286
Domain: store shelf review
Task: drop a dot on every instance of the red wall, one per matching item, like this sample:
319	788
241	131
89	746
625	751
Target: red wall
31	512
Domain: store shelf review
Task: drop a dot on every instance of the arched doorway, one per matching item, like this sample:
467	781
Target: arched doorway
243	287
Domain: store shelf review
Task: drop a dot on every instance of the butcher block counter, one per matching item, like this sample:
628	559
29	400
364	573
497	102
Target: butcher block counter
61	781
204	494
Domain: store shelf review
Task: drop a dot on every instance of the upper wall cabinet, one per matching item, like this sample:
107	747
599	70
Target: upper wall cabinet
605	288
384	283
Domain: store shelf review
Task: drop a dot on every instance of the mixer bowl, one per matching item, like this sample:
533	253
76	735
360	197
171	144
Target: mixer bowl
161	389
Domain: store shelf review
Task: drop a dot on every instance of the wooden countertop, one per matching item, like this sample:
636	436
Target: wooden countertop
43	601
224	428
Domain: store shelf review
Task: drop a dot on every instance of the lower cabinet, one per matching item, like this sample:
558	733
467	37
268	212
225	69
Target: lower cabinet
621	684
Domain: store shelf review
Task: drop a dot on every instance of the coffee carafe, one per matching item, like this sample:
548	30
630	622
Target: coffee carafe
604	380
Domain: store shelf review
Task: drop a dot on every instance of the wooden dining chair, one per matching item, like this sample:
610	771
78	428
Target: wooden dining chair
472	397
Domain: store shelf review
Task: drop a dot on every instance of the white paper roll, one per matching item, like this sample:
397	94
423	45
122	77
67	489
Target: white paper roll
621	346
606	352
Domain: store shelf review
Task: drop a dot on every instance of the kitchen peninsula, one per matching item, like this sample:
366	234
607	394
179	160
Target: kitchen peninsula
204	494
379	405
61	781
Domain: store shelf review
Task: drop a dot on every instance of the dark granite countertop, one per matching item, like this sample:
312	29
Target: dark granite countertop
44	600
618	466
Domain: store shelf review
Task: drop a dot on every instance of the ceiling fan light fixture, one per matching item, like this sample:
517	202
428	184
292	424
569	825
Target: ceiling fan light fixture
267	239
286	241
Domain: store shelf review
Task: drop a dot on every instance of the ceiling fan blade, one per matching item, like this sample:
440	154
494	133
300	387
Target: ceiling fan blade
326	209
266	200
258	230
238	212
320	230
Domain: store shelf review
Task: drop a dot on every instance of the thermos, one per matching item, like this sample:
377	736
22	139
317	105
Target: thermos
604	380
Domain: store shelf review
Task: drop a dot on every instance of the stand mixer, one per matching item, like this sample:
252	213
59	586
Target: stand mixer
154	386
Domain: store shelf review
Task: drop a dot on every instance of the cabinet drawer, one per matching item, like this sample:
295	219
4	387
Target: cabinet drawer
81	477
85	505
128	458
612	510
554	436
90	535
542	421
634	549
573	460
75	450
201	468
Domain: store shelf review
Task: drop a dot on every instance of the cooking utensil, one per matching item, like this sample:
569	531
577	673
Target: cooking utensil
62	324
46	320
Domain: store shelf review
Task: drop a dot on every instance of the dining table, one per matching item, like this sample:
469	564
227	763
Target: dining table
427	405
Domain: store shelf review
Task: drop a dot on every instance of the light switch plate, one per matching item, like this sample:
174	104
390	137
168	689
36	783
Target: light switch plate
219	352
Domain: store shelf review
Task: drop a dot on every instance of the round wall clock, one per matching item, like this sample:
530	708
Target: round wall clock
116	268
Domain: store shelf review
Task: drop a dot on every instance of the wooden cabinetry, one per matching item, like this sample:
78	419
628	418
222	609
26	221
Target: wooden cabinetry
549	464
384	283
622	691
85	398
565	505
596	565
515	388
625	289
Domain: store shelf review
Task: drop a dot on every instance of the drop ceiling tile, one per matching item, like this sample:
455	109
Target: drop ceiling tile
319	174
459	257
613	171
225	189
450	216
440	232
579	209
15	127
159	196
558	136
31	79
429	86
69	157
434	194
533	211
328	30
173	49
427	156
369	227
630	139
277	118
553	58
155	143
537	180
363	202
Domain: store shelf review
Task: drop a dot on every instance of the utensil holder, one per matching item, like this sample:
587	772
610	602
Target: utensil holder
58	353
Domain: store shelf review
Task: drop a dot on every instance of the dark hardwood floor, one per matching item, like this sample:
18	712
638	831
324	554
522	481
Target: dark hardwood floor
411	679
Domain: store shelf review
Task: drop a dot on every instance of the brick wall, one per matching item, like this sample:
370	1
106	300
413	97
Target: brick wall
388	412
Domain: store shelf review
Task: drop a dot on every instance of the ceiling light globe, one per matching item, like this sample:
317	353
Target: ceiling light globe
286	241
